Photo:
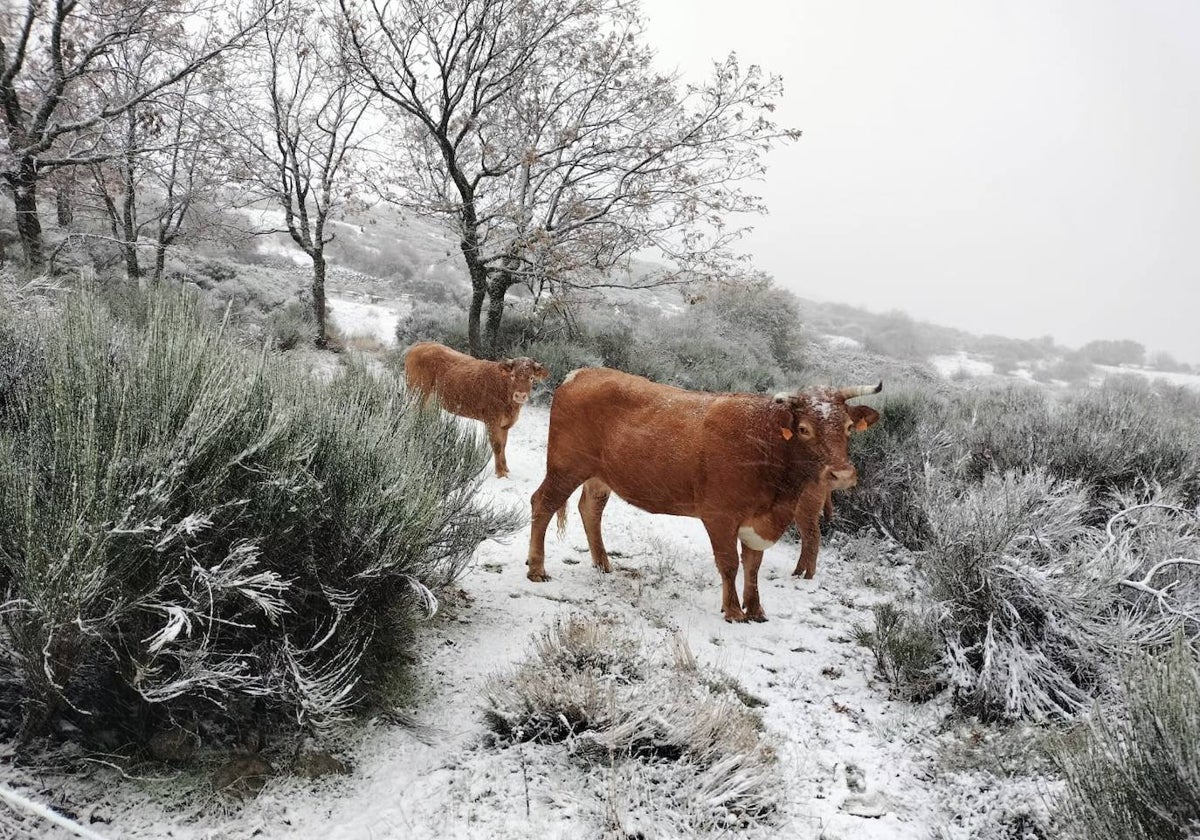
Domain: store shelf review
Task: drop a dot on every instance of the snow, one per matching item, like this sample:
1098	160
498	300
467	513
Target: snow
843	341
355	318
1186	380
960	364
433	776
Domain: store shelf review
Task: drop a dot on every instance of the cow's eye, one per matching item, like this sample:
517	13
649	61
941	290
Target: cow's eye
806	430
849	426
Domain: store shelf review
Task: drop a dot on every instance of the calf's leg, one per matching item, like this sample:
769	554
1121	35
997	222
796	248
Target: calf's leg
591	508
808	523
751	561
498	436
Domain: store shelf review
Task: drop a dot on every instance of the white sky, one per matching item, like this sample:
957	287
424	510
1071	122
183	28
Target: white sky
1021	167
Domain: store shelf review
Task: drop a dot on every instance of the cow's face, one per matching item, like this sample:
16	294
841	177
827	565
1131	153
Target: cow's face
522	373
823	422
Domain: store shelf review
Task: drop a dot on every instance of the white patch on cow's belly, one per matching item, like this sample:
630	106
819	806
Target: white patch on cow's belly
570	376
751	539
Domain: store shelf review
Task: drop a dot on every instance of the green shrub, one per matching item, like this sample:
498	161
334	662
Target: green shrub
907	649
1133	773
187	528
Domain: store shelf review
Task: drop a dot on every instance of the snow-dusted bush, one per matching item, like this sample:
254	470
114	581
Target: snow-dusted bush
1123	436
1021	612
892	460
1133	772
690	753
188	528
292	325
908	651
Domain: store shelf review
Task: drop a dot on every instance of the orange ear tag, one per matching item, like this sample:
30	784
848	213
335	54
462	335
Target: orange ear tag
786	432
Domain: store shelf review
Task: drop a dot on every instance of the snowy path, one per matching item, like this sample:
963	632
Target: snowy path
434	778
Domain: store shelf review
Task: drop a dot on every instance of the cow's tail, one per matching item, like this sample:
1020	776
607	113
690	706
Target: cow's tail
562	521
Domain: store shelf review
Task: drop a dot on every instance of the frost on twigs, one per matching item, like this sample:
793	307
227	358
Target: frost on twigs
1035	605
670	744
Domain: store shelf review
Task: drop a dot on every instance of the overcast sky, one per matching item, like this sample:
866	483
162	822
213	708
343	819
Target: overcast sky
1021	167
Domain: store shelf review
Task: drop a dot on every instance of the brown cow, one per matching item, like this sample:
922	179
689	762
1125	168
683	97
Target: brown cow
738	462
489	391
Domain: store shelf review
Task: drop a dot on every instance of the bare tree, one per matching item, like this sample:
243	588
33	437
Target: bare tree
294	143
544	132
55	99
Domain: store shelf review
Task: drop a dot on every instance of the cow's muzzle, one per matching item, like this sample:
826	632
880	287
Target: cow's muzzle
520	397
841	478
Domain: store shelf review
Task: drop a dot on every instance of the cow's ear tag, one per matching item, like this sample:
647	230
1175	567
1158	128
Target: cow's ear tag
786	432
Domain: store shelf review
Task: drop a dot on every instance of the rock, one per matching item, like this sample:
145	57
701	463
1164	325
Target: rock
242	778
856	778
313	763
175	745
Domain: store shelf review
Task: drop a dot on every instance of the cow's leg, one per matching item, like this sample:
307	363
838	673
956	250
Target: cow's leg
723	536
829	506
548	499
808	523
498	435
591	507
751	560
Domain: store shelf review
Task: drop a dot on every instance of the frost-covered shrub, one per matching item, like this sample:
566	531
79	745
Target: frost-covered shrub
683	734
293	325
560	358
908	651
1021	611
188	528
444	323
1133	772
1123	436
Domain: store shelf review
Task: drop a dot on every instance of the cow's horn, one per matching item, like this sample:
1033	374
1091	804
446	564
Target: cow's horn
860	391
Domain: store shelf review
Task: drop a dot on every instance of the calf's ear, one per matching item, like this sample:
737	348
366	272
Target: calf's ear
540	371
864	417
508	364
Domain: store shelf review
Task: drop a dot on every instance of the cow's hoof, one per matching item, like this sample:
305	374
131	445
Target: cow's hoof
735	619
502	474
757	619
538	577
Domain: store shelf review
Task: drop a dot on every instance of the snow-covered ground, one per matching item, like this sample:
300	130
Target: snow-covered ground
960	364
357	318
435	777
1186	380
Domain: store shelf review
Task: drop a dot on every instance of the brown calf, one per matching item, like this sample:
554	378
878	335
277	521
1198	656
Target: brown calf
481	390
740	463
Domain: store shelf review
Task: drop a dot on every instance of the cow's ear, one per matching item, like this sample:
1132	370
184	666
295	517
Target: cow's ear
508	364
864	416
540	370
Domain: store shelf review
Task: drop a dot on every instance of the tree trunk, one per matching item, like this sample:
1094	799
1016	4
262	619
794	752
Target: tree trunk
494	316
160	258
479	286
29	226
62	205
318	296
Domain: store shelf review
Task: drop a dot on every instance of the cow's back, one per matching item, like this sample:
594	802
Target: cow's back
658	447
464	385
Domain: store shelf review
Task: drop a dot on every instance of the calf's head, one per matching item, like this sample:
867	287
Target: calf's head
522	373
822	422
